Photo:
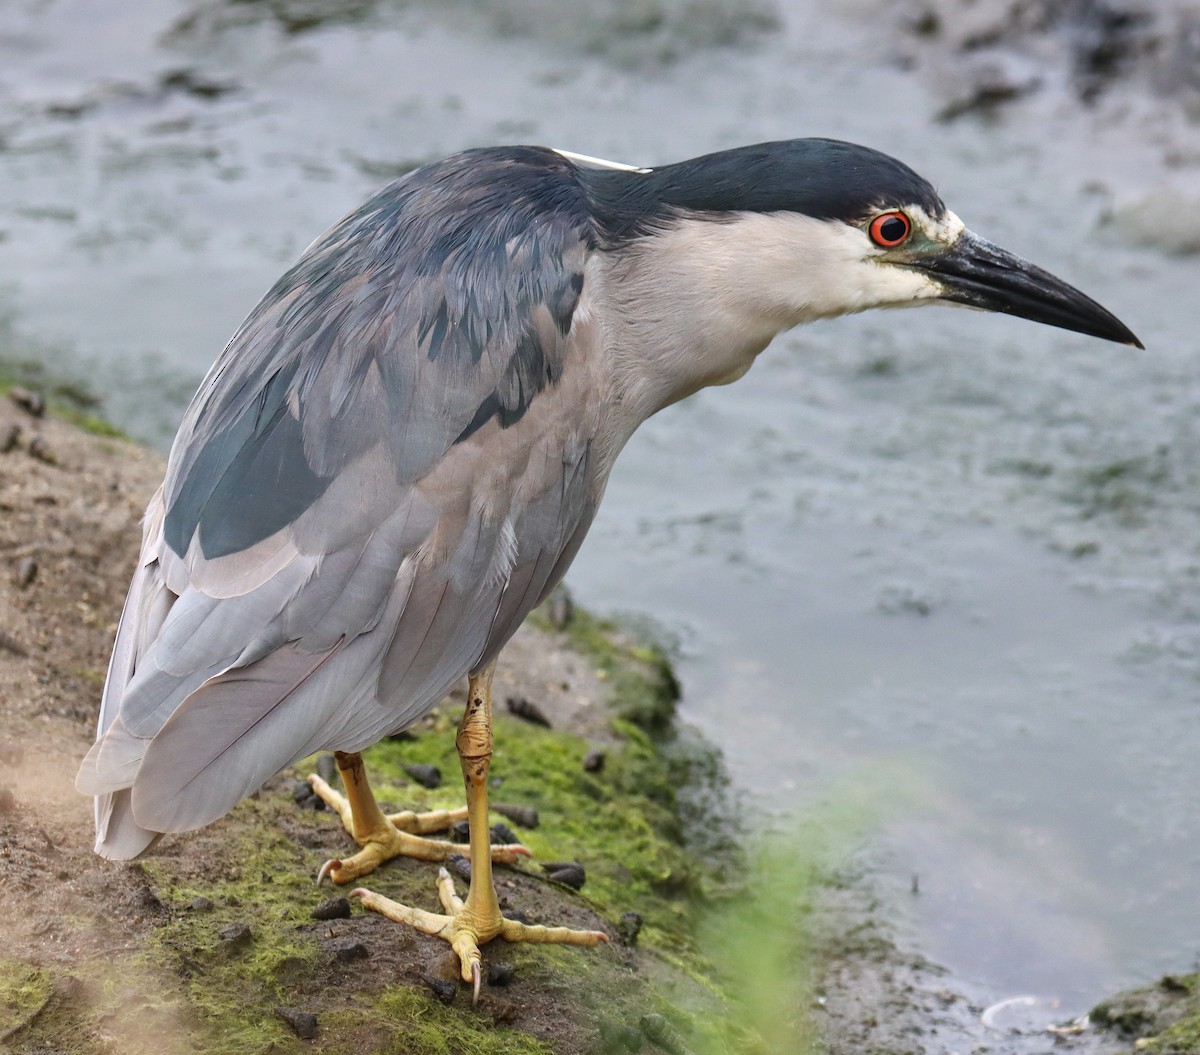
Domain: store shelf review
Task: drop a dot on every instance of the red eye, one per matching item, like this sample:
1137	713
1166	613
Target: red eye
890	229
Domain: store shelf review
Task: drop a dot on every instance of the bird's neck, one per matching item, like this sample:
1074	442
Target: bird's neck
686	308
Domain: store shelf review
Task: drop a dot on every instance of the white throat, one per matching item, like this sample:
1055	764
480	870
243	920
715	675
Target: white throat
693	305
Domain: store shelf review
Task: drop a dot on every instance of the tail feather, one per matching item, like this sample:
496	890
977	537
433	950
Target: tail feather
118	836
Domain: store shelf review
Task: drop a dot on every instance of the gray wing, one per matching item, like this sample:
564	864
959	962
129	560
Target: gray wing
386	469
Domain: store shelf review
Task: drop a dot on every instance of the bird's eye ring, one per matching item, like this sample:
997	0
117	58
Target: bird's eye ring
889	229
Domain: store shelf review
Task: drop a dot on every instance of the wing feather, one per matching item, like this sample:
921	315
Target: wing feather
352	515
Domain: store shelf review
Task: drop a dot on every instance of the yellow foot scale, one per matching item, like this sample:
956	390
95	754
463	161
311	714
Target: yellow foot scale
466	926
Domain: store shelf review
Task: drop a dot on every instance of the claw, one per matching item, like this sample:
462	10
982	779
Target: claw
476	976
327	869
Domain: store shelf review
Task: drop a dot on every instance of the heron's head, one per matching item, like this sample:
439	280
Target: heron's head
810	228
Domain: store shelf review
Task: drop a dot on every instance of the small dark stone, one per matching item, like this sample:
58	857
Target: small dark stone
403	736
500	973
10	439
42	451
503	834
520	917
301	792
236	935
8	802
25	572
529	712
347	950
459	866
327	768
11	644
594	760
522	816
302	1023
629	926
200	904
460	831
426	775
569	873
332	908
33	403
443	990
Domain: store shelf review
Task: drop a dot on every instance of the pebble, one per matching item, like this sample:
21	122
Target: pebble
629	926
304	796
10	439
33	403
568	873
443	990
503	834
459	866
403	736
500	974
529	712
42	451
7	641
200	904
236	935
332	908
302	1023
428	776
25	572
522	816
347	951
594	760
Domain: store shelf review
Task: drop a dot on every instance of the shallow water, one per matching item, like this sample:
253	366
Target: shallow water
947	556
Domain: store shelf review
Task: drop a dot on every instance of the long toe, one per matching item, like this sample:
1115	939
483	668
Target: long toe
466	930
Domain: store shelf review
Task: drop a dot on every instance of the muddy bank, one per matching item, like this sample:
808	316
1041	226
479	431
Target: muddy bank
220	941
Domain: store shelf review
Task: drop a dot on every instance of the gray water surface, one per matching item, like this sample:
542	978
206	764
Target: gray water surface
948	556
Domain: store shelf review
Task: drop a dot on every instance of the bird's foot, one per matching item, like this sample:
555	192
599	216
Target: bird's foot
393	836
467	928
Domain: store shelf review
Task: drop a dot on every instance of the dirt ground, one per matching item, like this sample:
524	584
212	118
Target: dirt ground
139	956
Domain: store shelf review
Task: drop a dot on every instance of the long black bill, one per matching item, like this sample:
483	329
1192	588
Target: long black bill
982	275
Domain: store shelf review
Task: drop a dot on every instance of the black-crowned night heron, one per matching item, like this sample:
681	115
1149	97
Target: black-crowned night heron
400	451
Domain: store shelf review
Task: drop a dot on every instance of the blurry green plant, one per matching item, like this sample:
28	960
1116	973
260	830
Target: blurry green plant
763	939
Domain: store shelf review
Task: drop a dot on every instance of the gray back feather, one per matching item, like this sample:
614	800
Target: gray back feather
353	515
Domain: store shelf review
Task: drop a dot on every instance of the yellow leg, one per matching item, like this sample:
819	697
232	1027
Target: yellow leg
383	837
468	924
